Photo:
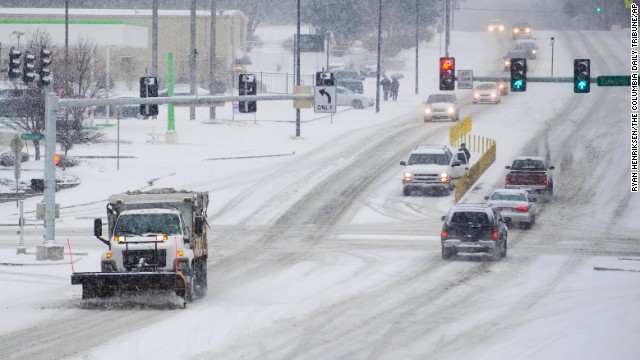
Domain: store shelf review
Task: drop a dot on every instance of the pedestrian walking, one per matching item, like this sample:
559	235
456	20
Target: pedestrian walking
386	83
463	147
395	86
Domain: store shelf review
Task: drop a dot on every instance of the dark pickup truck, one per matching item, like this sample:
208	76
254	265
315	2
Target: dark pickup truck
531	173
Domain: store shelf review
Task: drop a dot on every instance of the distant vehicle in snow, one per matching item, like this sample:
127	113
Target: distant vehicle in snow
487	92
495	26
531	173
441	106
516	204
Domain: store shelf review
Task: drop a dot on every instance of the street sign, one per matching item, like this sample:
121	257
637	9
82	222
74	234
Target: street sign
32	137
465	79
324	99
618	80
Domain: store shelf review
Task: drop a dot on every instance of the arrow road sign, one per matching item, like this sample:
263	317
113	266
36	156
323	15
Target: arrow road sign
324	99
323	92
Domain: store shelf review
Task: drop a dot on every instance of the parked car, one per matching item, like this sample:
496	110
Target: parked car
512	54
346	97
370	68
495	26
477	229
441	106
516	204
16	102
350	79
487	92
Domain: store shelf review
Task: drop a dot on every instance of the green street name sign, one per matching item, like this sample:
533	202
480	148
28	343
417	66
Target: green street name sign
32	137
622	80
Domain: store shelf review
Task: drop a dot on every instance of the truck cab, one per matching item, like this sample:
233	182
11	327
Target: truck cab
433	168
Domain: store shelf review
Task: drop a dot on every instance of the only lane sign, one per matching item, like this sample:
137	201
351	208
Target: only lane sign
324	99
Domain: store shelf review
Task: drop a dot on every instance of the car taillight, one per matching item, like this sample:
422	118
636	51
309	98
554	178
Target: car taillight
523	208
443	234
495	233
545	181
506	181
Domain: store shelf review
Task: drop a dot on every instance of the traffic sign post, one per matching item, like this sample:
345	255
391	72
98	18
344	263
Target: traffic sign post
465	79
324	99
16	146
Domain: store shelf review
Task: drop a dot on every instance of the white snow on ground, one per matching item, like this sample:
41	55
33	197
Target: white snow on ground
590	313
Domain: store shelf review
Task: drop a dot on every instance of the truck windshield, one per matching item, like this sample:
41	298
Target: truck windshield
426	159
144	224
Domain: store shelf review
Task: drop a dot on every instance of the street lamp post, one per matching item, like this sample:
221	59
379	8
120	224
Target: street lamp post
552	41
17	34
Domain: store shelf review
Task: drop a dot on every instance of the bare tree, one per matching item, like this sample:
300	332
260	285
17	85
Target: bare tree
87	78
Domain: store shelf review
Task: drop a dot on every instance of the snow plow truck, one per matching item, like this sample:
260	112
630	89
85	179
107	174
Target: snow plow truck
157	241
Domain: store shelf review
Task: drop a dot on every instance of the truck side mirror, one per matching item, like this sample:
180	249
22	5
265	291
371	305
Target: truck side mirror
199	225
97	227
404	163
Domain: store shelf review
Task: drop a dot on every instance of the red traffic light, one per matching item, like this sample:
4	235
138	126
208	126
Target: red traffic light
446	64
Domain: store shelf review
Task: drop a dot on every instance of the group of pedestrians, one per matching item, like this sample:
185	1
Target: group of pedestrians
390	88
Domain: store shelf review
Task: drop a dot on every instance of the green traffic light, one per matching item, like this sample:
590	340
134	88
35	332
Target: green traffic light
598	9
517	84
582	84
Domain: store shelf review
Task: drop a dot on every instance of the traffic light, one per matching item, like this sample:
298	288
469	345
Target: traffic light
518	74
29	69
44	69
447	73
247	86
325	79
149	88
581	76
14	63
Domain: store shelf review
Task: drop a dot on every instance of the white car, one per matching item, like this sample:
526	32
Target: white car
441	106
487	92
515	204
346	97
495	26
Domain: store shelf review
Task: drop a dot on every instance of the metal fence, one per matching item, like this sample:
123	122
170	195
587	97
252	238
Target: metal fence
278	83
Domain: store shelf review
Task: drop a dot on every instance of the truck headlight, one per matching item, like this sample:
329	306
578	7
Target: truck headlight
444	177
407	176
451	110
119	239
427	110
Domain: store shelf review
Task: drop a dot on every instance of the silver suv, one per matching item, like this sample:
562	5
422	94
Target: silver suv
441	106
433	168
474	229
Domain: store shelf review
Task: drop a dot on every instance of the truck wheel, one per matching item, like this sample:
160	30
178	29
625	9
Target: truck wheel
446	254
200	278
406	191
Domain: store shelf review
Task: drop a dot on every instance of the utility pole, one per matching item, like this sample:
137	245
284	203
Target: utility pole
447	19
417	42
192	57
379	47
154	38
212	57
298	65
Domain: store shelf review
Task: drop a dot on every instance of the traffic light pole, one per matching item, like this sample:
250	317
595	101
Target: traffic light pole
50	250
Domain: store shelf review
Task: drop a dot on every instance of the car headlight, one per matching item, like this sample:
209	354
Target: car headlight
501	28
476	95
507	62
533	51
451	110
527	30
407	176
515	31
493	95
427	111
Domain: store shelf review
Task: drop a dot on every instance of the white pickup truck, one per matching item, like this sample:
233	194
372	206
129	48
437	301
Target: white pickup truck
433	168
